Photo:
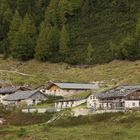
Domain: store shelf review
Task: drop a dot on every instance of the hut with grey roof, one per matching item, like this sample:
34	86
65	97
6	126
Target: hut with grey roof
63	89
118	97
4	92
26	97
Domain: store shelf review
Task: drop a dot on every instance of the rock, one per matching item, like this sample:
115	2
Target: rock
2	120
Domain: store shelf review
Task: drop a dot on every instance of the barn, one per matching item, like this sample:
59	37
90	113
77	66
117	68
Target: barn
4	92
119	97
63	89
26	97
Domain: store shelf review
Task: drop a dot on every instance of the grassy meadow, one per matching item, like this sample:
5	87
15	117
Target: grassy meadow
116	72
108	126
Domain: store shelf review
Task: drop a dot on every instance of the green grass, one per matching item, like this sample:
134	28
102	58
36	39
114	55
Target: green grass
44	105
98	127
116	72
80	95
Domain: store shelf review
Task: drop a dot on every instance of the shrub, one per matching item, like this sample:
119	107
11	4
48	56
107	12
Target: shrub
22	132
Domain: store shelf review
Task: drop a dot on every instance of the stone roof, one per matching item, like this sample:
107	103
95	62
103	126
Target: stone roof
10	90
120	91
82	86
21	95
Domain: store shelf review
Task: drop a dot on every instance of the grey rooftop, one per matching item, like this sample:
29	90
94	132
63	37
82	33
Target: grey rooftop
20	95
120	91
82	86
8	90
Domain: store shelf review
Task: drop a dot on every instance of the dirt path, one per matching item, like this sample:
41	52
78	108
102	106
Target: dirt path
20	73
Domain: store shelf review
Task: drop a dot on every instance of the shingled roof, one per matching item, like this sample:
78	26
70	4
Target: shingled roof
82	86
21	95
120	91
10	90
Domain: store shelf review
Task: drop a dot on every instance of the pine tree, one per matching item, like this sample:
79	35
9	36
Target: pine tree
64	43
24	42
47	43
89	53
51	14
137	32
42	49
53	42
14	27
7	17
22	6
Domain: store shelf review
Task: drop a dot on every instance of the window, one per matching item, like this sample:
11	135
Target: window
133	104
139	103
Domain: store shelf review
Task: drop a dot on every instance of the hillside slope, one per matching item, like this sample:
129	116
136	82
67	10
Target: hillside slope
71	31
35	73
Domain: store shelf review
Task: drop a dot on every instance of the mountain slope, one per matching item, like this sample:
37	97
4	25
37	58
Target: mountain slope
36	73
63	30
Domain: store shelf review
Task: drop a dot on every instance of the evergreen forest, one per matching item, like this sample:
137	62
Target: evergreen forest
71	31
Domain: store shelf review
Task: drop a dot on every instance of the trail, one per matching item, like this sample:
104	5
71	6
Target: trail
20	73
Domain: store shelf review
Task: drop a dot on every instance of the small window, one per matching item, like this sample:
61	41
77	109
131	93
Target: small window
133	104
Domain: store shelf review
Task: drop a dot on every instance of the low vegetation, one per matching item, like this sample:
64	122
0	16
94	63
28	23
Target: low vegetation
108	126
17	118
116	72
80	95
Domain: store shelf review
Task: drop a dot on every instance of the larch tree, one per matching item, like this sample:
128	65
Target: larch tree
14	27
64	43
47	43
89	53
24	42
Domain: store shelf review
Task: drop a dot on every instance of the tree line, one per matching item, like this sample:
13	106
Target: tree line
41	29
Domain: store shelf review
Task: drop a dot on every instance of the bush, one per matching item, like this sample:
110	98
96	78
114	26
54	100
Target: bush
21	119
22	132
80	120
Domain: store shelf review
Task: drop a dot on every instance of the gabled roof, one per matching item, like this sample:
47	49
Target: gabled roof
120	91
83	86
21	95
10	90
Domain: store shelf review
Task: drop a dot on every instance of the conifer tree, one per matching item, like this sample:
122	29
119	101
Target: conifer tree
7	17
137	32
14	27
24	42
89	53
47	43
42	49
64	43
51	14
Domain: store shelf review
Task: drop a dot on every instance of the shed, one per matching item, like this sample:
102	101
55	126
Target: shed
26	97
60	88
